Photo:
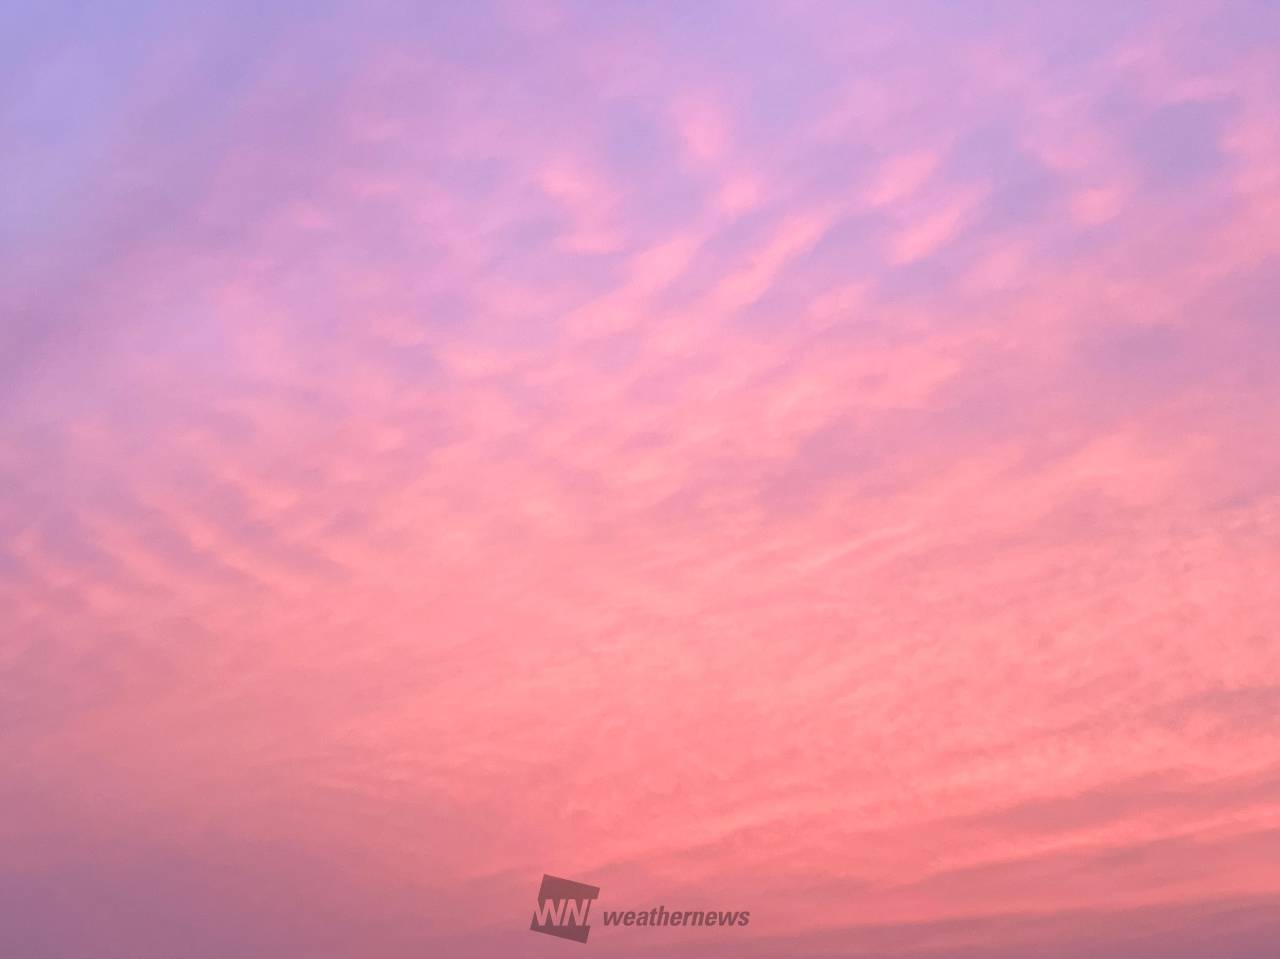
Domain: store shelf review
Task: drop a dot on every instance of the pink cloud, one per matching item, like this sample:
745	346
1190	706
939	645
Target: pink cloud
688	457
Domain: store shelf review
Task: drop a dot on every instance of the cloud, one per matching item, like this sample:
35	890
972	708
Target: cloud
818	470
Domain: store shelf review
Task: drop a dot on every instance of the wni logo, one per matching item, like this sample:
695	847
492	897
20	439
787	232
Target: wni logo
563	906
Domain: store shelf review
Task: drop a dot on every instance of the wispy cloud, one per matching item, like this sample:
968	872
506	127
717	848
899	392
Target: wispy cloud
814	458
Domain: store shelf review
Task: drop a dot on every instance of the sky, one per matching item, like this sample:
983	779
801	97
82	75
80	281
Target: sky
817	459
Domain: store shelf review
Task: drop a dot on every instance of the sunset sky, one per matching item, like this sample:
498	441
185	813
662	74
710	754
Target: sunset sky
821	459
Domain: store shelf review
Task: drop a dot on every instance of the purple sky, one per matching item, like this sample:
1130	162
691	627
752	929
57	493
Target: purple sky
818	459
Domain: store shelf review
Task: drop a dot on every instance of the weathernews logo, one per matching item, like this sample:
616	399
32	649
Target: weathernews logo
564	905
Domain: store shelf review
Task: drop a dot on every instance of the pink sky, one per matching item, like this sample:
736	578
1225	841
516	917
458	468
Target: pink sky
818	459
